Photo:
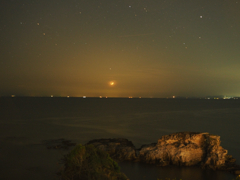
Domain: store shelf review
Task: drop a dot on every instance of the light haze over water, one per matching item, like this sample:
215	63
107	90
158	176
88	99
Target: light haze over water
26	123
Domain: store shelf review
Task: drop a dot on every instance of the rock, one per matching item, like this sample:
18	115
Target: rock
182	149
121	149
88	162
215	154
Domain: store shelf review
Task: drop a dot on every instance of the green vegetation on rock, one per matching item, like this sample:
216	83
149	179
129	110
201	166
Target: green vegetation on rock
90	163
237	178
169	179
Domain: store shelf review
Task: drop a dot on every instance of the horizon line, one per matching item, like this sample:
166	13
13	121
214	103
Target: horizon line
123	97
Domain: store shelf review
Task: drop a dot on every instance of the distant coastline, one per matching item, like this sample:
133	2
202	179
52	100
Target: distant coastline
129	97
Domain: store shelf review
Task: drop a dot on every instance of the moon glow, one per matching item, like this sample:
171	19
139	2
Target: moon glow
111	83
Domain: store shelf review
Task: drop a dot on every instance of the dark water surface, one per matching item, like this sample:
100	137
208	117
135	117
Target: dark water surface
26	123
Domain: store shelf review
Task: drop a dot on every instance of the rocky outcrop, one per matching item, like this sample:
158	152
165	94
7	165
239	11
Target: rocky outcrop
182	149
121	149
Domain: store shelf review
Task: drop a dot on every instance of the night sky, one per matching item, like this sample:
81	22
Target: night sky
120	48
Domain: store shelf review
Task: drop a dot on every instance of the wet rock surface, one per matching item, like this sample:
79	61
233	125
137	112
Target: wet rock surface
182	149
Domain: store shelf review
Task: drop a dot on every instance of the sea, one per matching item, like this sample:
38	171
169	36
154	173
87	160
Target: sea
28	124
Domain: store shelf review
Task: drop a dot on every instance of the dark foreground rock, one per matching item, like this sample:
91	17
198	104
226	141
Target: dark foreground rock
121	149
87	162
182	149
